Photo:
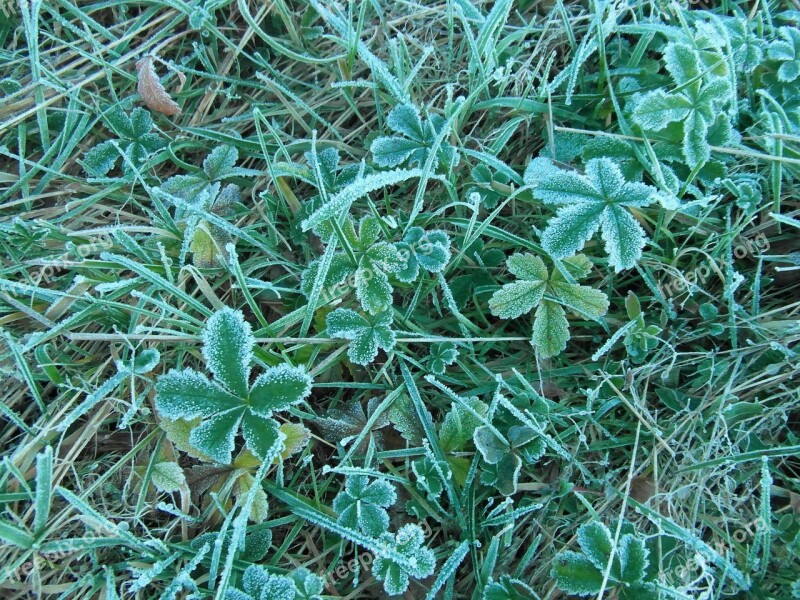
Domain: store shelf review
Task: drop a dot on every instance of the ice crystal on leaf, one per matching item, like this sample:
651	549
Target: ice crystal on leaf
362	505
420	561
582	573
374	260
366	335
229	401
429	250
598	199
550	293
414	140
697	105
786	51
135	143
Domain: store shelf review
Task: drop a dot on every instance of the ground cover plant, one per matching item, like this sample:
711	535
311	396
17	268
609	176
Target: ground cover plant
306	299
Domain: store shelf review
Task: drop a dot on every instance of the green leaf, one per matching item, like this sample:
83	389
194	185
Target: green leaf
657	109
516	299
309	586
278	388
633	559
491	447
263	436
682	62
460	424
373	289
420	563
405	119
362	505
188	394
596	543
228	349
215	436
595	201
550	329
695	145
220	162
576	574
366	336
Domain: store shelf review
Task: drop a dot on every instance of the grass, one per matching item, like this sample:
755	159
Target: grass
623	425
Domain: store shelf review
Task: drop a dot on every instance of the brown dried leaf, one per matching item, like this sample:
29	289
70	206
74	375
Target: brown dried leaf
152	91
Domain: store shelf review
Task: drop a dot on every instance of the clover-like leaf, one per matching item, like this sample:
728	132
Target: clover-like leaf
505	457
442	355
309	586
414	139
595	200
582	573
134	143
786	51
700	99
168	477
260	584
229	401
362	505
429	250
366	336
420	561
550	293
428	477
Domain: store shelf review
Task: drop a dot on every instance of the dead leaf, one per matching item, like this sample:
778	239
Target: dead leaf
152	91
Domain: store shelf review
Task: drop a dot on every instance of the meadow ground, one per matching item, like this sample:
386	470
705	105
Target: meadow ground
307	299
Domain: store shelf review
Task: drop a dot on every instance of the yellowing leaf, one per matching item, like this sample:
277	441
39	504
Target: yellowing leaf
297	438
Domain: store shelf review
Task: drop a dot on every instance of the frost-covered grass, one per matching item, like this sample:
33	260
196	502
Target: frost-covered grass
460	300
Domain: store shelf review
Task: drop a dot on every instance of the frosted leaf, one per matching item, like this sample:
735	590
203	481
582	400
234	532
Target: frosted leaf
550	330
413	141
442	354
459	424
575	574
582	299
309	586
188	394
220	163
786	51
260	584
429	250
278	388
405	119
168	477
373	289
695	145
624	238
682	62
538	169
550	326
592	200
340	269
515	299
490	445
134	141
408	542
366	336
215	436
263	436
228	349
632	555
595	541
362	505
260	508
